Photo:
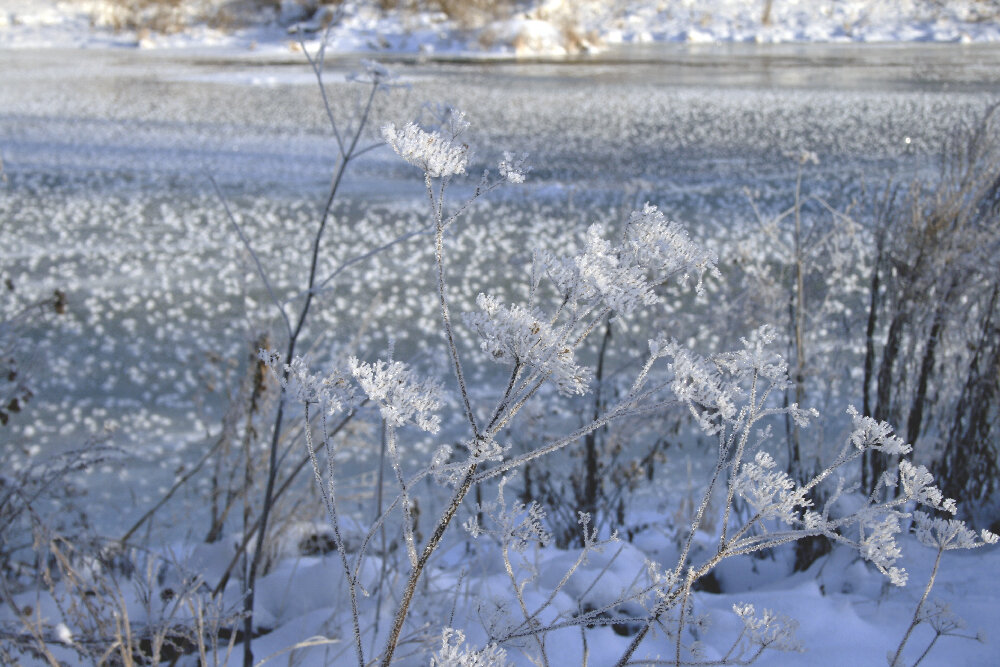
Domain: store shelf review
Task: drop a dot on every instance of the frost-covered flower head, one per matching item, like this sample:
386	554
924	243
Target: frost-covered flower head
624	276
435	155
770	492
698	383
663	248
948	534
514	525
605	271
515	334
917	483
870	434
513	168
772	630
332	392
401	397
756	359
454	652
372	71
879	547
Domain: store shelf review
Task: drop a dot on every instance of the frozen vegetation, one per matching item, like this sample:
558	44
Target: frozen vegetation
617	365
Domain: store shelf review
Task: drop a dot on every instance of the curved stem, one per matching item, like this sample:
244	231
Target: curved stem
429	549
916	613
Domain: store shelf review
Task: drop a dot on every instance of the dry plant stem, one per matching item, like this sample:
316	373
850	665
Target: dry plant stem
460	493
551	447
34	629
937	636
328	493
798	325
307	643
411	546
177	485
528	617
285	485
249	248
667	602
317	64
683	615
530	620
916	613
429	549
751	419
272	472
436	207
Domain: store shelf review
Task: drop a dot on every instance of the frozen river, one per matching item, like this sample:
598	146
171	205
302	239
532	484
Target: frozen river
109	156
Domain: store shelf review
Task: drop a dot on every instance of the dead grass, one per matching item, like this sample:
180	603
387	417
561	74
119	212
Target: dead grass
466	13
173	16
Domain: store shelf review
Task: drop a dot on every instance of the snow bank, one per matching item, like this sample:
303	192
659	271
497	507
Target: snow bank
537	28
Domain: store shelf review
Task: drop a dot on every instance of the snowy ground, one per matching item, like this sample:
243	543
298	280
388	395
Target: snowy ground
536	28
106	157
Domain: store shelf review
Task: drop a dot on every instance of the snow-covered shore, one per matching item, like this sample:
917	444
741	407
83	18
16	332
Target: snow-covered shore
526	29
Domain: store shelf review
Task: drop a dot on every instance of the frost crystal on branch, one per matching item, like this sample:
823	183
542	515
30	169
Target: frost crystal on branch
878	546
516	525
604	272
516	334
917	483
663	247
770	492
372	72
699	384
624	276
453	653
332	392
948	534
513	168
770	630
870	434
601	272
434	154
756	359
401	397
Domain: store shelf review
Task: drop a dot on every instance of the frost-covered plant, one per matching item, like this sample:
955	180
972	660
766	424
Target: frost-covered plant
928	364
432	153
518	336
308	388
455	653
798	271
733	398
780	509
942	535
